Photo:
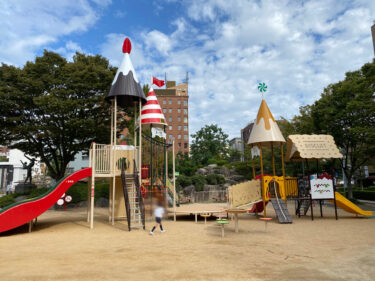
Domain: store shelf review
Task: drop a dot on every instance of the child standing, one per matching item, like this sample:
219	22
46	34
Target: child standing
158	213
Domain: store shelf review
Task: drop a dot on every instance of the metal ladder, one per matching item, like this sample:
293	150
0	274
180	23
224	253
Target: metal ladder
132	206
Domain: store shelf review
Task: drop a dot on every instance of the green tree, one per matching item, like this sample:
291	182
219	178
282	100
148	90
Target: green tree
52	108
209	142
346	110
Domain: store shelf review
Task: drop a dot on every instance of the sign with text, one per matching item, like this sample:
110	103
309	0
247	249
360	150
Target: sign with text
322	189
158	132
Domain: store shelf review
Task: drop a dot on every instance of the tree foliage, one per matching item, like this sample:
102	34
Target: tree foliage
346	110
208	143
52	108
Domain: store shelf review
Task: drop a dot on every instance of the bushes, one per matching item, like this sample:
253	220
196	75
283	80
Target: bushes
364	195
199	181
79	191
243	168
215	179
183	181
6	200
37	192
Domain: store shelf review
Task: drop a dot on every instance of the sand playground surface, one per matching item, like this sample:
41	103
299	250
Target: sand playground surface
62	247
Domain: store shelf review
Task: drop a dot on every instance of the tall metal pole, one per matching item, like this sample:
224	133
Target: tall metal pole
151	169
174	182
140	143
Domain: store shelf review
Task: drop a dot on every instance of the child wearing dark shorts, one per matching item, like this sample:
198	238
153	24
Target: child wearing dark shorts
158	213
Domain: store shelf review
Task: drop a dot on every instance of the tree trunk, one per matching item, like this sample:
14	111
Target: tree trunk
350	189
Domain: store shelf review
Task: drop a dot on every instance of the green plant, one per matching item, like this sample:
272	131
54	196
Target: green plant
220	179
243	168
6	200
183	181
36	192
211	179
199	181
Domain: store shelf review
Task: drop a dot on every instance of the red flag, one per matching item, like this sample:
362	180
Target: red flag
157	82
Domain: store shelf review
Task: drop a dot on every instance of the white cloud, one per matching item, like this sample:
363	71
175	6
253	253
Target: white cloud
228	47
295	47
27	27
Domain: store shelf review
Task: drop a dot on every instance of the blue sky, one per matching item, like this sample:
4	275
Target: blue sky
228	47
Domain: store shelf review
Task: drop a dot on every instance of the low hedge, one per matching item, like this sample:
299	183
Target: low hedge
7	200
364	195
78	192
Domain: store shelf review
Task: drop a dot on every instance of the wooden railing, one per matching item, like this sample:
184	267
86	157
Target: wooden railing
291	187
102	156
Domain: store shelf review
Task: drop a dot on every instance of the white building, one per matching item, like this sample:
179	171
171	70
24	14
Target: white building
12	172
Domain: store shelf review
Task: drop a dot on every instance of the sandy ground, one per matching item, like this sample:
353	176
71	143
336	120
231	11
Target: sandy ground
62	247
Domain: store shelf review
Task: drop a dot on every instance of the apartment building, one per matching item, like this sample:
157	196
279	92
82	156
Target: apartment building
174	101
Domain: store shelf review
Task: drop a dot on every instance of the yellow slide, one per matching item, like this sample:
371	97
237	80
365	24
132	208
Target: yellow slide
348	206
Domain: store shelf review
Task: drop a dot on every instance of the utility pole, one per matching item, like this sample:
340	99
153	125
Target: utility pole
373	35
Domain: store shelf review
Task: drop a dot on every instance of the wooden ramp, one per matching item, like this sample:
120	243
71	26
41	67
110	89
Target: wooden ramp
281	210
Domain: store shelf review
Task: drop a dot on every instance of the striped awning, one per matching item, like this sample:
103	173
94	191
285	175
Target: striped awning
151	112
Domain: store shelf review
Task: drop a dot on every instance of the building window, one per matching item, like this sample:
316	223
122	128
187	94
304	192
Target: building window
179	144
185	128
164	110
179	119
121	136
170	119
185	145
185	137
185	111
185	120
185	102
179	128
170	128
170	101
179	137
164	102
179	110
170	110
178	102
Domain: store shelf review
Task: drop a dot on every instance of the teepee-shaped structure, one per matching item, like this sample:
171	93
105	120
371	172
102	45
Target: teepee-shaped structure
151	112
265	130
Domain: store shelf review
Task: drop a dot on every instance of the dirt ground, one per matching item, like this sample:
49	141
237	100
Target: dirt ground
62	247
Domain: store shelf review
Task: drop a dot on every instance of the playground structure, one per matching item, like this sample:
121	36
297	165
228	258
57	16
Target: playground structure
132	176
254	195
117	163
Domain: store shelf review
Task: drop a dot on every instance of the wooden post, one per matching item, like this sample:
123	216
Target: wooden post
174	182
140	143
114	161
273	161
253	164
89	186
283	169
92	193
262	183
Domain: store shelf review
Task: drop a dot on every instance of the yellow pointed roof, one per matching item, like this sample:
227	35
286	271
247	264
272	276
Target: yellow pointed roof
265	129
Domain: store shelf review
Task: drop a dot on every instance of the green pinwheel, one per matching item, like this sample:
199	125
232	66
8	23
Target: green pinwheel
262	87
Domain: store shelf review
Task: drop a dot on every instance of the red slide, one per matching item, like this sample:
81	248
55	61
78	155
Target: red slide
22	212
257	207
